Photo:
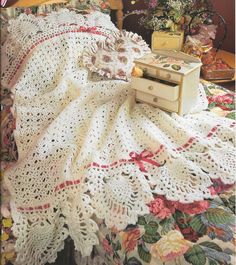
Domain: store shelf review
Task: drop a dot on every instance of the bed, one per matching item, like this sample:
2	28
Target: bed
169	231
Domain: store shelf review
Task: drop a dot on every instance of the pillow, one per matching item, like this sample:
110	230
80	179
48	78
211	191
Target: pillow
124	41
113	58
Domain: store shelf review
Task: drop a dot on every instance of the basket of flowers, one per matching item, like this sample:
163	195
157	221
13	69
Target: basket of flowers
171	15
200	42
168	19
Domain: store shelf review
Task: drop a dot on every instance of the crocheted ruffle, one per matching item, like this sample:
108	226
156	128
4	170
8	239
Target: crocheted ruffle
113	58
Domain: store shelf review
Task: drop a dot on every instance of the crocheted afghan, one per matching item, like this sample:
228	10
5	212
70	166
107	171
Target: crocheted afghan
86	148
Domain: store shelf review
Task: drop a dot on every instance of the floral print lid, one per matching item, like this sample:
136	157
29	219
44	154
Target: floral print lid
171	60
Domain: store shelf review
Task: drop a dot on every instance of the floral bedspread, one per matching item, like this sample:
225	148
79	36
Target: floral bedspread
172	233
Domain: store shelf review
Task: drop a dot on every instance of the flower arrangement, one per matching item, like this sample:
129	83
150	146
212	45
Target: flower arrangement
171	15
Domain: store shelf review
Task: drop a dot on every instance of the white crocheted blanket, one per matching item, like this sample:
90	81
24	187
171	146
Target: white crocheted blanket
86	148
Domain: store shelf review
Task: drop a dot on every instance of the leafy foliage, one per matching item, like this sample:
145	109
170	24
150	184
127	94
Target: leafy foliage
195	255
144	254
219	216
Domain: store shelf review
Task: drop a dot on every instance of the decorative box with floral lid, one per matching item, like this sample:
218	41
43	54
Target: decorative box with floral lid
167	40
168	80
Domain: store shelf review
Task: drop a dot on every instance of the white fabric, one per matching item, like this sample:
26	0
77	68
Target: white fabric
67	119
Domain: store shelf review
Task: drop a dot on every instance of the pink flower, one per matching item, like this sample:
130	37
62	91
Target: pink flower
163	208
137	50
194	208
120	41
219	99
129	239
123	59
190	234
106	58
212	191
27	11
152	4
219	186
107	247
103	5
158	208
121	73
121	49
172	205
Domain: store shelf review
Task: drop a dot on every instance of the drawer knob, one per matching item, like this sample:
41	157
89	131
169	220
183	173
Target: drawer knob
150	88
145	71
168	76
155	99
164	43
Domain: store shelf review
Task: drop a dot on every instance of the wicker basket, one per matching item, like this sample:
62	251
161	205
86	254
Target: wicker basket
217	69
221	74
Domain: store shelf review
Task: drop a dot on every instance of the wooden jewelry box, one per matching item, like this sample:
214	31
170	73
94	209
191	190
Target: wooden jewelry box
170	81
162	40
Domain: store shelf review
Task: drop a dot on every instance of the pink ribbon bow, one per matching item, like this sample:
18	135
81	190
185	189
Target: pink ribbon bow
144	156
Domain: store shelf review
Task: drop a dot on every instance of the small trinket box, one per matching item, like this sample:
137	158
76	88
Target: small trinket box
170	80
162	40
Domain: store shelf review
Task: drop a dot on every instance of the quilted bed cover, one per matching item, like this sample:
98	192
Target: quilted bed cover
167	199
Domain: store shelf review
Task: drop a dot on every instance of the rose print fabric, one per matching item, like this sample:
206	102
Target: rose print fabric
113	58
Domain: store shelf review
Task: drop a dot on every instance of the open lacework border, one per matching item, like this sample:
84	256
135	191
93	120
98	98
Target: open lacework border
138	159
53	226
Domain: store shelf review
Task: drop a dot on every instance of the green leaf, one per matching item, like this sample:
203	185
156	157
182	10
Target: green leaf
116	255
232	203
232	199
195	256
144	254
212	105
207	90
211	245
141	220
151	239
117	246
231	115
219	216
167	224
211	87
151	228
212	262
197	225
108	238
176	67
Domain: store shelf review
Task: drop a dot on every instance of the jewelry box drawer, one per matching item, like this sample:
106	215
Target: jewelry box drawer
157	102
162	89
165	75
169	76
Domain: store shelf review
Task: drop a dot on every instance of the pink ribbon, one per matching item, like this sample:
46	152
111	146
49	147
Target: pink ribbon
88	29
144	156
